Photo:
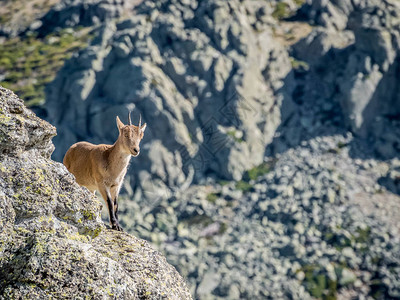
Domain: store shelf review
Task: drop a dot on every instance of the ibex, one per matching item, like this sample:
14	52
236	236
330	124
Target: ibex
103	167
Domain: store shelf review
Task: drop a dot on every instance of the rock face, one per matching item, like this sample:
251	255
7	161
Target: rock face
354	67
70	13
205	80
52	240
215	83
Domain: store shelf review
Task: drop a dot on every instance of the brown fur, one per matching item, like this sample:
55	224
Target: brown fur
103	167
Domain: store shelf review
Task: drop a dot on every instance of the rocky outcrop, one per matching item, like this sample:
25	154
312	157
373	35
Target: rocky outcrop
354	56
52	240
72	13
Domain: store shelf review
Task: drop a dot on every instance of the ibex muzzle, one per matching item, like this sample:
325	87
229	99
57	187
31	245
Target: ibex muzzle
103	167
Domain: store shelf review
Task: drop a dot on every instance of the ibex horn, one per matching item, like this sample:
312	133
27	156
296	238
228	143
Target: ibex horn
129	118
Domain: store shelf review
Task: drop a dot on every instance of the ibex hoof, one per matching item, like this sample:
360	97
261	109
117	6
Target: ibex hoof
117	227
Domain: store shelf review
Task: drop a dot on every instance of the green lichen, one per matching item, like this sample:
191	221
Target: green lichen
78	237
95	233
89	215
4	119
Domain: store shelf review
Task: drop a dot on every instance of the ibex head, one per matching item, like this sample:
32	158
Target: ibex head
131	135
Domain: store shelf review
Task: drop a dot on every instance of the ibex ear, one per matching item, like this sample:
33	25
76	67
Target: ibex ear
119	124
143	127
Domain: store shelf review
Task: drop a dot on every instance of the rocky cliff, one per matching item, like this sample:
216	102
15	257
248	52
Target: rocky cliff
52	240
353	57
222	84
205	79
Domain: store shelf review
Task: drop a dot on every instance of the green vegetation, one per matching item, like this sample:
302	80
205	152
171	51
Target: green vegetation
281	11
340	241
318	284
232	133
223	228
299	64
243	186
29	63
212	197
223	182
299	2
257	171
253	174
363	235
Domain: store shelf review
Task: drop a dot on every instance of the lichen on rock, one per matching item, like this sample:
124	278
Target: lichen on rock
52	240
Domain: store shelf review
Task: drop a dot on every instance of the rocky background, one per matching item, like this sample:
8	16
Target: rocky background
270	166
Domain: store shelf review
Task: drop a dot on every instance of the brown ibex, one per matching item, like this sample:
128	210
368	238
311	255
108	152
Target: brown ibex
103	167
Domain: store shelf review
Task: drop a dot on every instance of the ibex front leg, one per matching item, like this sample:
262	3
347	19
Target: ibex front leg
114	197
105	192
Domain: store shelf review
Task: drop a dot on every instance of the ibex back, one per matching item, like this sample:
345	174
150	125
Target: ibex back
103	167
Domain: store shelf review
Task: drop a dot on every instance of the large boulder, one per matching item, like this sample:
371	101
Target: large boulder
52	240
